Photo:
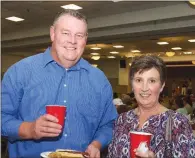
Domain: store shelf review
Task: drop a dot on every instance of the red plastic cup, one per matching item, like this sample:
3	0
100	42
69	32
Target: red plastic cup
58	111
136	138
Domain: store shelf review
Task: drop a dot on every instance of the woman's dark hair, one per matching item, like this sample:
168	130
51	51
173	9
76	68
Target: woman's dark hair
179	101
144	63
132	95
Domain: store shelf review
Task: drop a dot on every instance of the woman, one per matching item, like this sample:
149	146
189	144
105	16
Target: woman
147	75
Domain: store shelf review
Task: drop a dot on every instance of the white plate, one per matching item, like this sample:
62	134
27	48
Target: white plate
45	154
65	150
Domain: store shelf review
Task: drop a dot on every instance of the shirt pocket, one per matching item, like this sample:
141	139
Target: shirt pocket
89	106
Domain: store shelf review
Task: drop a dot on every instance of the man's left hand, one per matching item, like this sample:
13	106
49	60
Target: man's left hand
94	149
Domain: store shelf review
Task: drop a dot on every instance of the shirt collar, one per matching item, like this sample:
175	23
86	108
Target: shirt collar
81	64
47	58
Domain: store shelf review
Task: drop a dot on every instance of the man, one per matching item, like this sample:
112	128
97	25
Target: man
57	76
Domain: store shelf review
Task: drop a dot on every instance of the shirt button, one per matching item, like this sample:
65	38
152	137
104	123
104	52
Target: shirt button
64	101
64	85
65	135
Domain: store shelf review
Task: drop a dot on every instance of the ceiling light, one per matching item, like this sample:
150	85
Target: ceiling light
111	57
95	57
135	51
95	65
129	64
118	46
162	43
193	62
176	48
187	52
71	6
170	54
95	54
117	0
114	52
14	18
96	48
191	40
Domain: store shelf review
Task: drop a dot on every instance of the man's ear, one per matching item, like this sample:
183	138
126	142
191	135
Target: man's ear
86	37
163	85
52	34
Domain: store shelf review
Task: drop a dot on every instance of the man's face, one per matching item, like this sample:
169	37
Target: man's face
69	36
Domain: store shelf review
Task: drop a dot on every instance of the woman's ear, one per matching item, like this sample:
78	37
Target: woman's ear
162	87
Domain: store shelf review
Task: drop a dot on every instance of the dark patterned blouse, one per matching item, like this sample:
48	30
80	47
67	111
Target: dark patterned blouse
182	140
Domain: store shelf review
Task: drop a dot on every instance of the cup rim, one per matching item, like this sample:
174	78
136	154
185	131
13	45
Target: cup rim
57	105
141	133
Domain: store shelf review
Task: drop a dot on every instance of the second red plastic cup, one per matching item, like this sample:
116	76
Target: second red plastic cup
136	138
58	111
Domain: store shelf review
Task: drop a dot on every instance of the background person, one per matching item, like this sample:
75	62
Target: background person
117	102
120	106
188	104
173	86
126	99
189	88
147	75
180	105
57	76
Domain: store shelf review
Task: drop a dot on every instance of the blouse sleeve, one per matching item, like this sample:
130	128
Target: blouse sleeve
182	138
111	147
114	149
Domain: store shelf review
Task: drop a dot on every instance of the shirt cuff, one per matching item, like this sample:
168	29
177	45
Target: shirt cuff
12	130
104	139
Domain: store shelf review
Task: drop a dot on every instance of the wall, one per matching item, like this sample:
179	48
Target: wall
8	60
109	66
111	69
118	77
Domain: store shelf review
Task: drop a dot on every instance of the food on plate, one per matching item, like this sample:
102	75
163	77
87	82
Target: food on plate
67	154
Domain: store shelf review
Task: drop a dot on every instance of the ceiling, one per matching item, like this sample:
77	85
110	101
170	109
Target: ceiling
133	24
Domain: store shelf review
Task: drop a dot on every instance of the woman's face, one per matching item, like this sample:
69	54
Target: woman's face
147	87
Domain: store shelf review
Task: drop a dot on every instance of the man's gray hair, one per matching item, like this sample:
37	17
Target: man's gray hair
70	12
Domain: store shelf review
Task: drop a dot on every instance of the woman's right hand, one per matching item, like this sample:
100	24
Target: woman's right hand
147	154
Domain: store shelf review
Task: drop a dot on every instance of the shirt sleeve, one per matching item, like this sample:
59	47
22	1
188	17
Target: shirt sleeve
104	132
11	95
